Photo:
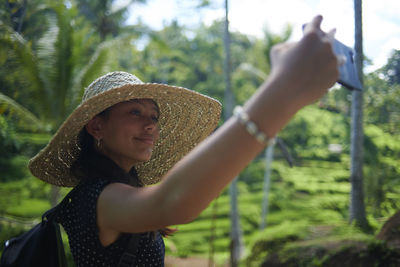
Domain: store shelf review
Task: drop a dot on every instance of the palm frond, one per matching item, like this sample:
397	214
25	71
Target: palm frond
46	54
26	119
61	81
21	50
94	68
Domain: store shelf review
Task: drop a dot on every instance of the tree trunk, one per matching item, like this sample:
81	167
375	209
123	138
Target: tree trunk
357	207
236	235
213	233
269	155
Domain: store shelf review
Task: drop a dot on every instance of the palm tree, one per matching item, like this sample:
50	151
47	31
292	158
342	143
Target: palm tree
106	16
26	119
52	70
357	207
229	101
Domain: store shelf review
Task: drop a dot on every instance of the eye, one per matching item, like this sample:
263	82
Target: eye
155	118
135	112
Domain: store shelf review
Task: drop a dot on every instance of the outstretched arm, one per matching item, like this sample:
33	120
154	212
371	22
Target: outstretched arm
302	72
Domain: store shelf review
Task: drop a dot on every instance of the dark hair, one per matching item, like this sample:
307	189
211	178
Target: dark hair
91	164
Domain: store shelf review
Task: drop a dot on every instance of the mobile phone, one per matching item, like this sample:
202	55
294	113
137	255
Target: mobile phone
348	76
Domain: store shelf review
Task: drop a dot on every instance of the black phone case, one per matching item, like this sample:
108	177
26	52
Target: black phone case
348	72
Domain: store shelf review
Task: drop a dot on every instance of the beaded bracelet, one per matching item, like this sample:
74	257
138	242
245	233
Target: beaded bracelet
251	127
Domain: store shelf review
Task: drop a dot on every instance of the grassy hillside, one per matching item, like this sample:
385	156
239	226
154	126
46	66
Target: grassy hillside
312	194
308	204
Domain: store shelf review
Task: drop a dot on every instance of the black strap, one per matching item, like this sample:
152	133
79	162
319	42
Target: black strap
62	259
51	216
128	259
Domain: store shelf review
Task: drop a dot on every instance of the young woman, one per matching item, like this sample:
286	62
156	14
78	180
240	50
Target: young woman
127	134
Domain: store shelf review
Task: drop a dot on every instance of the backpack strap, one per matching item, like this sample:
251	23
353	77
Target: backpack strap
50	216
128	259
62	259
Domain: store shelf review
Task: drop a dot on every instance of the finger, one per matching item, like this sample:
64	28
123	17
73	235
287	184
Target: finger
314	25
331	35
316	22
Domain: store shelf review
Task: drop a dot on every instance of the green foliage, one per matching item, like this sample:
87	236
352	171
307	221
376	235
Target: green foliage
273	239
196	62
58	48
300	244
312	130
13	167
17	148
27	197
392	69
51	72
341	251
7	231
382	97
314	193
8	141
382	170
32	208
22	117
106	17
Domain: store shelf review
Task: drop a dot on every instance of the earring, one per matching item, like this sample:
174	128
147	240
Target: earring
98	143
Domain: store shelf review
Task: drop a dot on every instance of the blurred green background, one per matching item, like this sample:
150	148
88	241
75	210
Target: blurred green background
51	50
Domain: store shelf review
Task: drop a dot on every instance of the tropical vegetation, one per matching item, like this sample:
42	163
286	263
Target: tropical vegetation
51	50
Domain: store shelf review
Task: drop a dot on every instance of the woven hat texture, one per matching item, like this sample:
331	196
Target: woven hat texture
186	118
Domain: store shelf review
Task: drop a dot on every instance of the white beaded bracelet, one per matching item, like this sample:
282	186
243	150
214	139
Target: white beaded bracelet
251	127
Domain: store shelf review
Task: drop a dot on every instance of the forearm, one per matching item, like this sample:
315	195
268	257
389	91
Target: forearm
200	177
302	74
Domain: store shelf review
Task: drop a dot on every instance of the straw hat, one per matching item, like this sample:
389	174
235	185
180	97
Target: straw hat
186	118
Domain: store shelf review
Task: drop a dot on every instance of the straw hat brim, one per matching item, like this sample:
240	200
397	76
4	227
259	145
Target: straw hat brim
186	118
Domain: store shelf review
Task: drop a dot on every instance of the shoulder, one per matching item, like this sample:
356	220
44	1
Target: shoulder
92	186
116	191
87	194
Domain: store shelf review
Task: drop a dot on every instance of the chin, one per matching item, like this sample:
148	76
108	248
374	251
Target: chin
143	159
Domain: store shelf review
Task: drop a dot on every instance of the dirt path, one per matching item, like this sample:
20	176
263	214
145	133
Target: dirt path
188	262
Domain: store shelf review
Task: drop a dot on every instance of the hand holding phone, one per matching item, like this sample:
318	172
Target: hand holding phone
348	75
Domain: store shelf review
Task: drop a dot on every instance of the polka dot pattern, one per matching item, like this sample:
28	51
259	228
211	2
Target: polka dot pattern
79	221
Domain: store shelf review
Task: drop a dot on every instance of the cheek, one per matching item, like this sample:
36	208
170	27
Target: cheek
113	140
117	134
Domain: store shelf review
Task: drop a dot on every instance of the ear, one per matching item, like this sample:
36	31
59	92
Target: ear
94	127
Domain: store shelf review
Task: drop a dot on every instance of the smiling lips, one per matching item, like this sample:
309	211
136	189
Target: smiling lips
149	140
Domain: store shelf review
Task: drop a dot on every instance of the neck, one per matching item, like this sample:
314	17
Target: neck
92	164
124	163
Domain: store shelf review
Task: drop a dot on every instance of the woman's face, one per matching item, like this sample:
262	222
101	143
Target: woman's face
129	132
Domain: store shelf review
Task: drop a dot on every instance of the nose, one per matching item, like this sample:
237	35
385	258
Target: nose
150	124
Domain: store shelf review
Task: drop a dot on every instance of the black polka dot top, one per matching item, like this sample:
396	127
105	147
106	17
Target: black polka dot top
79	221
